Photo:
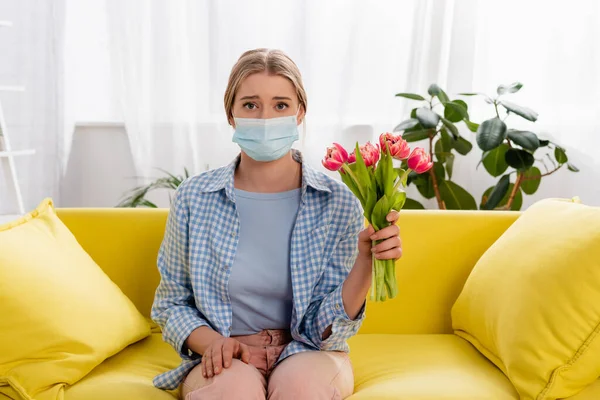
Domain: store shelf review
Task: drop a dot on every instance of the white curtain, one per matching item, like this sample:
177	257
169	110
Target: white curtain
31	56
170	63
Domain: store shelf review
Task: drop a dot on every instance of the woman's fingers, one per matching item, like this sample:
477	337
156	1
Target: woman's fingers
245	353
392	254
393	216
229	349
386	233
217	358
204	367
208	361
389	244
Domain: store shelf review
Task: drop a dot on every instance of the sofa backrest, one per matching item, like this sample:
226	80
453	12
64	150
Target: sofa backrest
440	249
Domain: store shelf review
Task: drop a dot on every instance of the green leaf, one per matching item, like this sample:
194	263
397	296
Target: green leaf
443	97
517	201
370	204
524	112
497	193
525	139
443	146
435	90
380	212
512	88
427	118
446	139
389	175
412	96
425	185
402	175
455	197
530	186
472	125
544	143
572	168
456	111
450	165
413	113
462	146
494	161
404	125
415	136
348	181
398	200
362	173
519	159
560	155
451	127
438	169
411	204
491	134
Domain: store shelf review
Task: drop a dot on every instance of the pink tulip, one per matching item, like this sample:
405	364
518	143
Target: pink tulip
419	161
398	147
352	158
369	153
336	157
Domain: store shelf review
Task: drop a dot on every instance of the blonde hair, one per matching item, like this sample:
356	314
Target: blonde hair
274	62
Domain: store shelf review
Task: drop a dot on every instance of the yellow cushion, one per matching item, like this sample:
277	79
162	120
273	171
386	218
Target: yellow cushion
128	375
532	303
424	367
61	316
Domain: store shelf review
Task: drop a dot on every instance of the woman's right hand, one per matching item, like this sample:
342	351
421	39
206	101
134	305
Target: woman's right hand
220	354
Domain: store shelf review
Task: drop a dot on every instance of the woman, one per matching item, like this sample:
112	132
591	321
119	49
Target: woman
265	265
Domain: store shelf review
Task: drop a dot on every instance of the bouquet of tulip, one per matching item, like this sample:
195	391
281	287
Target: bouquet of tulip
370	174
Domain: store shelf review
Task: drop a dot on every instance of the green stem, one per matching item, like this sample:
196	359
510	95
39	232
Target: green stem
349	171
373	274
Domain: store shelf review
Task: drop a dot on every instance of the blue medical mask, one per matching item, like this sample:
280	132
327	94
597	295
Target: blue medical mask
266	139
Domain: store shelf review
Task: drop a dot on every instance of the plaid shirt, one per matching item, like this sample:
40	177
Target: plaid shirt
199	248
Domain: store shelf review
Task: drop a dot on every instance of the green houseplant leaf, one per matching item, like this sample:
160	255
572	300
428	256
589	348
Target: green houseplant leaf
462	146
415	136
517	201
404	125
451	127
560	155
521	111
497	193
455	197
472	125
529	185
456	111
435	90
427	118
525	139
412	96
490	134
411	204
494	161
519	159
572	168
512	88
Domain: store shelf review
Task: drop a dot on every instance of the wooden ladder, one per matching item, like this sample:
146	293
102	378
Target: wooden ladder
7	154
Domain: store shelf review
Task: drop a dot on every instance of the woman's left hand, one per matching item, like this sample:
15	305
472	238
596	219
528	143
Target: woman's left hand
390	247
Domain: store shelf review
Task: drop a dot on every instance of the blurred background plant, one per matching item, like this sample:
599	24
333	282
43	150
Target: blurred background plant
138	197
510	154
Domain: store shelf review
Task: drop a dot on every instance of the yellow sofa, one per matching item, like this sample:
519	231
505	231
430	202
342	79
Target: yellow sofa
405	349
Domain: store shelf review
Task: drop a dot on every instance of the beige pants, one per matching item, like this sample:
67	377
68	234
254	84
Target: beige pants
310	375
